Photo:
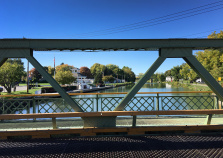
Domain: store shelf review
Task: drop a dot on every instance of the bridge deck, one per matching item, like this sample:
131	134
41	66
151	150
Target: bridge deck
117	146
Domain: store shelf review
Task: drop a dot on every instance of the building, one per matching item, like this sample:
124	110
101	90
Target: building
76	73
169	78
81	79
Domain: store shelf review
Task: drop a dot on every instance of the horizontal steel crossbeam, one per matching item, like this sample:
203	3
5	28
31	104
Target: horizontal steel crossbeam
109	44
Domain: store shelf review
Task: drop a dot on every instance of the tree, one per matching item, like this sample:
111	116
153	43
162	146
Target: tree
64	74
216	35
86	72
212	61
167	73
36	76
140	75
97	69
50	70
160	77
11	72
15	60
64	67
98	78
129	74
175	72
64	77
108	79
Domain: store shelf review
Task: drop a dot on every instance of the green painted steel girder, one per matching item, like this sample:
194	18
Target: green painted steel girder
205	75
186	54
109	44
28	54
139	84
2	61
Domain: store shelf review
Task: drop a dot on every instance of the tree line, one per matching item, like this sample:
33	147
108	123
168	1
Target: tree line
111	72
12	72
211	59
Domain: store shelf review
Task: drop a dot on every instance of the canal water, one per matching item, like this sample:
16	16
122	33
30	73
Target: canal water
143	102
148	87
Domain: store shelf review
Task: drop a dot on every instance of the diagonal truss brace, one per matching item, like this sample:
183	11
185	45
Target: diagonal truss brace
28	54
186	54
205	75
2	61
140	83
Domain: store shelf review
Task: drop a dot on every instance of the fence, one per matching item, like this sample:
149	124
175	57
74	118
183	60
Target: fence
146	102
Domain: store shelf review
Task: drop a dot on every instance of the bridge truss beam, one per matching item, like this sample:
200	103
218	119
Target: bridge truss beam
187	55
28	54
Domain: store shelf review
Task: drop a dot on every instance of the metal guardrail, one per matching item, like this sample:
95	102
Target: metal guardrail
146	102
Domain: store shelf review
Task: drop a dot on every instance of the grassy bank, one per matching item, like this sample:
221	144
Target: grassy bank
118	84
192	86
42	84
31	91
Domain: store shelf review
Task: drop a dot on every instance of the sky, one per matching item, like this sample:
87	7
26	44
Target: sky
109	19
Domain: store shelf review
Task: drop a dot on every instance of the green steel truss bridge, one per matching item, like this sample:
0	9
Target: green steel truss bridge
167	48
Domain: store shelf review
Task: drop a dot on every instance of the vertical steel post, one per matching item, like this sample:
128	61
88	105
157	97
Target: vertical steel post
34	107
3	112
54	123
157	103
97	102
208	119
217	102
134	121
28	107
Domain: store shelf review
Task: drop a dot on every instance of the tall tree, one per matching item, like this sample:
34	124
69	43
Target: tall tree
108	79
64	77
86	72
64	67
175	72
97	69
129	74
216	35
36	76
160	77
98	79
50	70
64	74
11	72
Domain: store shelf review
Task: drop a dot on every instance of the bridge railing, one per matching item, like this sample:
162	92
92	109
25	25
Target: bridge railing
143	101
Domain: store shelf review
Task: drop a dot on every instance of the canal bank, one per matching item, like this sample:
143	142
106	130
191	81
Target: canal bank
90	90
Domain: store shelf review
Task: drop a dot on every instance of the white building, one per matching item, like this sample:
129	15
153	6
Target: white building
76	73
169	78
81	79
199	80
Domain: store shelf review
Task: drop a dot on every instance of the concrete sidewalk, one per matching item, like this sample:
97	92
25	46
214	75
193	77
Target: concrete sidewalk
8	125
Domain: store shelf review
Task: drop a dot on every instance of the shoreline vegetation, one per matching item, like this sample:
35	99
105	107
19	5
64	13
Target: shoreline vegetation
192	86
34	89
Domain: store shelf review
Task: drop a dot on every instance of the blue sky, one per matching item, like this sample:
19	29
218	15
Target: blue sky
109	19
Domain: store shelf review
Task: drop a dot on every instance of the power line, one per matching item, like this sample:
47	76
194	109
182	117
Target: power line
202	32
157	21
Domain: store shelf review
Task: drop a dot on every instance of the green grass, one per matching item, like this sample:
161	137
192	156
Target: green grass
24	84
31	91
110	84
194	86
